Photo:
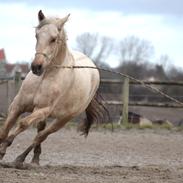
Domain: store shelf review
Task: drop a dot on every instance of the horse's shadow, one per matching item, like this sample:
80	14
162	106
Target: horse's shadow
21	166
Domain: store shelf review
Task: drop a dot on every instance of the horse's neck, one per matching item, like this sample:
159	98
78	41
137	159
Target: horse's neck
64	57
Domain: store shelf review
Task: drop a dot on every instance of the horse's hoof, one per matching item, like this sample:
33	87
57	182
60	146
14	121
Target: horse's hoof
35	163
17	165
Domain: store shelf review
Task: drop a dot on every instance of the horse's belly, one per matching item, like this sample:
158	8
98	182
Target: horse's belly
73	103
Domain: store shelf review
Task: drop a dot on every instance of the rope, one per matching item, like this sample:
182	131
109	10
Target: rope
154	89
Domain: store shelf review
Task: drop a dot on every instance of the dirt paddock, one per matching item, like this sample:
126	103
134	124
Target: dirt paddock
134	156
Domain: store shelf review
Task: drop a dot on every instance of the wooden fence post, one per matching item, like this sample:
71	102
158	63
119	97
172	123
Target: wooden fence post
125	99
7	94
17	81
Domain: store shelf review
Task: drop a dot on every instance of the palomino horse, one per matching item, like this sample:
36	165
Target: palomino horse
50	90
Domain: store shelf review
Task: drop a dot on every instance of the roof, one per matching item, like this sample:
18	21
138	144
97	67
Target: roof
23	67
2	55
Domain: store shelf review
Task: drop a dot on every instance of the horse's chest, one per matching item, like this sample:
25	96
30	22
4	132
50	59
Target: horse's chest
46	95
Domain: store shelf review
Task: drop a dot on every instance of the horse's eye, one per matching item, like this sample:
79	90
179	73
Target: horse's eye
53	40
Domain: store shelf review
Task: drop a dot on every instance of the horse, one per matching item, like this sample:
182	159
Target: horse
52	90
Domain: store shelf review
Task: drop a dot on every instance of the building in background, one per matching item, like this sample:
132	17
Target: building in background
8	70
2	63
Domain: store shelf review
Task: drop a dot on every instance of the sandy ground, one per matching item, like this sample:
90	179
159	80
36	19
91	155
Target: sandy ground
134	156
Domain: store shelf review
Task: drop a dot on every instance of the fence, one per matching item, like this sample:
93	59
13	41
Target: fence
125	103
9	87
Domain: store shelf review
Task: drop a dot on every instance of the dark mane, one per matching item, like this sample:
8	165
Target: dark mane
47	21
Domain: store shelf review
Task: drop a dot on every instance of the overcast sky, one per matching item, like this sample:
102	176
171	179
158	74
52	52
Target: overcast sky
158	21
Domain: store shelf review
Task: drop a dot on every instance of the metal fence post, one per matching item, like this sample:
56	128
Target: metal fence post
125	98
17	81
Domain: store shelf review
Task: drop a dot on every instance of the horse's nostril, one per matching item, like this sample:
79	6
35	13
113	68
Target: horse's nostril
39	67
36	69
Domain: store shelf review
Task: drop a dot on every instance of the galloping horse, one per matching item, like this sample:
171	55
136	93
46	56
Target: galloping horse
50	90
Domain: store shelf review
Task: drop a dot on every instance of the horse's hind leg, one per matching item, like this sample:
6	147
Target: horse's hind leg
37	150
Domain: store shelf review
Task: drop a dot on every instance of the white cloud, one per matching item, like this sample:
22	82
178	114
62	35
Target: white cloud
17	32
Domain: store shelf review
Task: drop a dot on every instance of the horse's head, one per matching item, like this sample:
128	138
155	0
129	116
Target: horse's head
50	35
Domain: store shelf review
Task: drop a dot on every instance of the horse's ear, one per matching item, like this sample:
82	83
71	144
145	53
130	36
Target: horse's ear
41	15
63	21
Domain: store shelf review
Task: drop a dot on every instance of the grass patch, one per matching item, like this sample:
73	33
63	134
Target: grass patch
145	126
179	128
128	126
166	126
115	126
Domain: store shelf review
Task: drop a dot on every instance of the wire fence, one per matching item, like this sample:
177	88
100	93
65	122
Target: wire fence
114	91
131	97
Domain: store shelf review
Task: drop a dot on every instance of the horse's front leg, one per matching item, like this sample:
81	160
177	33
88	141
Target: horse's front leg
37	116
13	114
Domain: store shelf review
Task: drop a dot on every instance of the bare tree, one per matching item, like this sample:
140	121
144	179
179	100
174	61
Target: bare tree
86	43
165	61
134	49
96	47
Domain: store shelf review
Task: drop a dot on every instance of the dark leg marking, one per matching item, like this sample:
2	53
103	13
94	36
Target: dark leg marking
37	150
5	144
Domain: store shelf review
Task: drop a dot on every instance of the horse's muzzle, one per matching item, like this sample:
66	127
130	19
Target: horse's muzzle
37	69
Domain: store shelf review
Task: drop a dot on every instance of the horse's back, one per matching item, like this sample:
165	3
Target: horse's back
86	73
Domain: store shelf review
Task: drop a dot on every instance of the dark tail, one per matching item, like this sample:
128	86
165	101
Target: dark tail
96	112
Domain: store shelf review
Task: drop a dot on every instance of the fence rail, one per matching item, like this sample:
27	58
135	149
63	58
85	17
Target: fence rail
124	102
2	82
144	104
117	81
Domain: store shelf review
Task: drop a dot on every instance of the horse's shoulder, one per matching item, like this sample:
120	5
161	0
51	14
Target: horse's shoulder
81	59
